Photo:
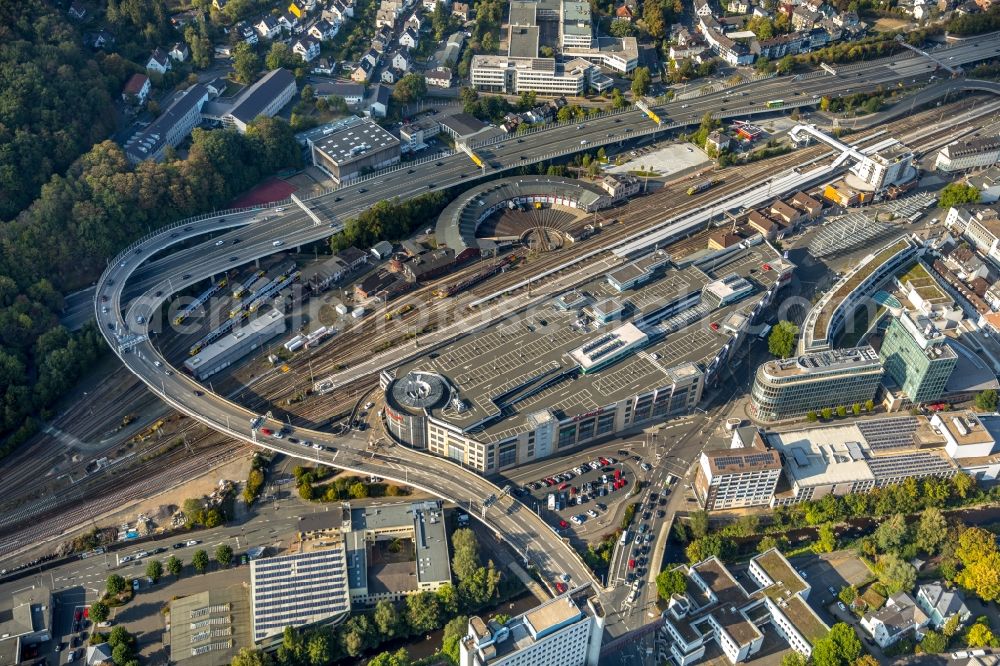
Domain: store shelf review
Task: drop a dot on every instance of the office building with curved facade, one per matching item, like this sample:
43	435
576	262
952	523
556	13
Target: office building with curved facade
790	388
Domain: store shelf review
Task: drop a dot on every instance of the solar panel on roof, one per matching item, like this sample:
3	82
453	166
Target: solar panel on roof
889	433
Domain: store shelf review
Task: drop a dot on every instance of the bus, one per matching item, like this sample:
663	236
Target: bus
775	104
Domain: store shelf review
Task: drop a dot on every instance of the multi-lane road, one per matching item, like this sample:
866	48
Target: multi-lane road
138	281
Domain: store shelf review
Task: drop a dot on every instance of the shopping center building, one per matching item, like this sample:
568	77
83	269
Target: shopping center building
641	343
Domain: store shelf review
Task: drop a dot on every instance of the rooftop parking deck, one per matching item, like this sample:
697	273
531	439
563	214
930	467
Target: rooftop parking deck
524	364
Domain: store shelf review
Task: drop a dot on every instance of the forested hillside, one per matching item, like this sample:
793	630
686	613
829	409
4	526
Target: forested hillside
55	99
63	240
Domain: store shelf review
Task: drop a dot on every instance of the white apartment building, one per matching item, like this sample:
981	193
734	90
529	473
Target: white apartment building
170	128
575	24
565	631
983	231
743	475
887	167
719	608
968	154
541	75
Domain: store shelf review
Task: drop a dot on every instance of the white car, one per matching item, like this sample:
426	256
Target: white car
219	242
646	467
192	542
592	513
277	243
280	210
369	405
577	519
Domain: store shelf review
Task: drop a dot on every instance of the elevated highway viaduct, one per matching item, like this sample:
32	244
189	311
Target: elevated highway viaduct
143	279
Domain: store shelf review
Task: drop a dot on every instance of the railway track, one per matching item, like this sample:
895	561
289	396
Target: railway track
55	522
51	516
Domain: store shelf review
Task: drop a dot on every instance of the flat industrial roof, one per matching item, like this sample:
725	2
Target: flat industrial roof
522	12
430	537
821	456
557	612
353	140
522	41
737	608
298	589
965	427
500	362
210	627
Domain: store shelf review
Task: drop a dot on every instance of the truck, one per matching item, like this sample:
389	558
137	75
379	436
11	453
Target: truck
702	186
775	103
552	501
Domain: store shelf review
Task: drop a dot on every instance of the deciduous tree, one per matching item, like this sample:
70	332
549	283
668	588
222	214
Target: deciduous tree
670	582
423	613
987	400
957	194
199	561
896	574
387	619
224	554
932	530
892	533
115	585
979	635
99	612
246	64
840	647
154	570
781	341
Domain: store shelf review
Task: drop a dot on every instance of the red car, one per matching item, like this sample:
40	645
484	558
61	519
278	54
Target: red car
266	431
714	326
604	461
77	615
560	587
86	612
563	524
631	564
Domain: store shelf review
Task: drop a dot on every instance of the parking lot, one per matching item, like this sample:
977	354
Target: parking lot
663	159
584	497
70	630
